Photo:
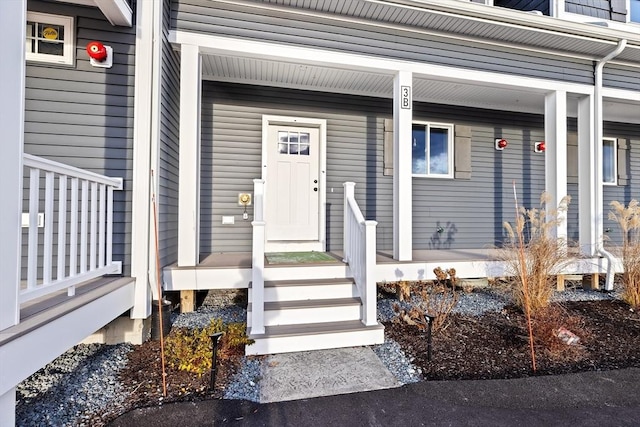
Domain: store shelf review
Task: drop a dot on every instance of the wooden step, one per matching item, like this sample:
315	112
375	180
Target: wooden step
309	311
295	290
314	336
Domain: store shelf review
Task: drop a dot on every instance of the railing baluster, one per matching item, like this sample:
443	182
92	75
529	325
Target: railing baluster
93	230
73	229
109	243
62	227
84	213
34	202
101	225
47	261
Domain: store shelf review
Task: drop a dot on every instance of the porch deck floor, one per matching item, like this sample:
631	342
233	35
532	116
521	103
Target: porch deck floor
48	308
243	259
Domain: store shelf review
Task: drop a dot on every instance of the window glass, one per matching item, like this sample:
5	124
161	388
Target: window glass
296	143
438	151
609	161
419	150
432	150
635	10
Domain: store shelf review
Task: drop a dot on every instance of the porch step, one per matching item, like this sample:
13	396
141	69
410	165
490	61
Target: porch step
296	290
309	311
314	336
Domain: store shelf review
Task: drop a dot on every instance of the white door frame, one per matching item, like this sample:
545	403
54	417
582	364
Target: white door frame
321	124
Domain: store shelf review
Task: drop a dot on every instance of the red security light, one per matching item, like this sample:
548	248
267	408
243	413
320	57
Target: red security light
501	144
97	51
539	147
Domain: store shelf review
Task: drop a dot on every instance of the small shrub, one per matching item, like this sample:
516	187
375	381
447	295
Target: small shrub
547	323
628	219
544	255
436	299
190	349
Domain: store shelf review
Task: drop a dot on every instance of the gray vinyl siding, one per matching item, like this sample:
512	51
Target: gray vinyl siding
83	116
621	77
206	17
524	5
602	9
622	193
470	211
169	141
232	151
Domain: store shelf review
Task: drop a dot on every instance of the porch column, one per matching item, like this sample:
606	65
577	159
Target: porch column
555	133
189	157
402	166
13	20
8	403
589	173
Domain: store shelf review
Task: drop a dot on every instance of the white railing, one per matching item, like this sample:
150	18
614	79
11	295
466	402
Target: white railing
69	227
257	271
360	253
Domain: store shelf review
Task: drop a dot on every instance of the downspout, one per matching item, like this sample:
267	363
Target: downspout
598	132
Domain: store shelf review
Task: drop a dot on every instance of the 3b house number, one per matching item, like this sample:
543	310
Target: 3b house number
405	101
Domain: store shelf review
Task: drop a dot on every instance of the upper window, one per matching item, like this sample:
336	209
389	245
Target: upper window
49	38
609	161
433	150
634	14
296	143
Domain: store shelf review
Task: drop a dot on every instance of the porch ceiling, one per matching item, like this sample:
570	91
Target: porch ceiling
328	79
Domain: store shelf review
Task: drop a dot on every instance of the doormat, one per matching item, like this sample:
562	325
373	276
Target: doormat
298	257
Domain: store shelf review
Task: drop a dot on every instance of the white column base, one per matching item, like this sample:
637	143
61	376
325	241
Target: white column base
8	408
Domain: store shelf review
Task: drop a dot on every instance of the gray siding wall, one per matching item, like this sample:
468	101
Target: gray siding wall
207	17
620	77
471	212
525	5
83	116
603	9
169	139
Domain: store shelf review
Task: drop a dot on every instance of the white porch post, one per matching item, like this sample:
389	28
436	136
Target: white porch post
589	211
189	157
402	169
13	20
555	132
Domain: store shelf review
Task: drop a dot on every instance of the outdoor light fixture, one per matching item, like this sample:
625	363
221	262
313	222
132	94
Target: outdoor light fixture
429	321
214	356
539	147
501	144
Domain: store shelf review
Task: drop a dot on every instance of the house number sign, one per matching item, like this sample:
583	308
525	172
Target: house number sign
405	98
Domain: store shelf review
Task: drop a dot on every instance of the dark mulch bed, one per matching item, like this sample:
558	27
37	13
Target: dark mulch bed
496	345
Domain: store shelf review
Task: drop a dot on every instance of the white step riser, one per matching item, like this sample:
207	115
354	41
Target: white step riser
289	344
308	292
300	316
306	272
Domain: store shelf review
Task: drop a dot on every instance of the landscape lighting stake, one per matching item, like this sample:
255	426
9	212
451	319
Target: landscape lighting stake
429	319
214	344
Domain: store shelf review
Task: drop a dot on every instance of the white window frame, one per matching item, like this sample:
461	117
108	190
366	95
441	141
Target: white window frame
450	149
615	161
68	44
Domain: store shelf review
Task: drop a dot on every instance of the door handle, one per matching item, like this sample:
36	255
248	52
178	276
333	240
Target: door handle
315	181
315	188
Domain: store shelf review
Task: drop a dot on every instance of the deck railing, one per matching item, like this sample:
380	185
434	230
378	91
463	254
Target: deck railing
257	272
360	252
69	227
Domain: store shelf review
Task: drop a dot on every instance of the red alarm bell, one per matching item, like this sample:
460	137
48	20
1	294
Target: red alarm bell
501	143
97	51
540	147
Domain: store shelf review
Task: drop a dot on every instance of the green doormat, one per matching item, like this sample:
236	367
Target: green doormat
298	257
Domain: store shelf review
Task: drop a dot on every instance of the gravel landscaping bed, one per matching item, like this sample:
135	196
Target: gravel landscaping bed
85	386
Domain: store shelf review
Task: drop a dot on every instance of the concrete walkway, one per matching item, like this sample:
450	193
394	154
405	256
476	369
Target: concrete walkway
609	398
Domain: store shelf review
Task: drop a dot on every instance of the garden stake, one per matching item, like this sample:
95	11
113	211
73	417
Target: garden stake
214	344
429	320
158	284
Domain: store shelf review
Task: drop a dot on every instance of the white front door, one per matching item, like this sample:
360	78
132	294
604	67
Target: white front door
293	187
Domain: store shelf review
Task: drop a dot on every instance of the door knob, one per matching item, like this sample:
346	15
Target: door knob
315	188
315	181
